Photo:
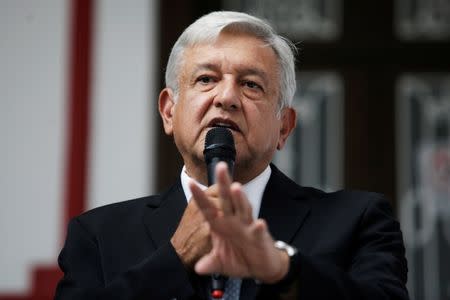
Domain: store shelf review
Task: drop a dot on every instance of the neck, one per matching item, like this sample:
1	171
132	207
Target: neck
197	170
242	173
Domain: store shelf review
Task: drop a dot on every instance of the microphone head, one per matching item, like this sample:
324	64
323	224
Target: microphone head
219	143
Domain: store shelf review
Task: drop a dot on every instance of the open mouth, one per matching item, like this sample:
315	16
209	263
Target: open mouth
218	122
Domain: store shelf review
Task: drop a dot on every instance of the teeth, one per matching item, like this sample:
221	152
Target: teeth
223	125
227	125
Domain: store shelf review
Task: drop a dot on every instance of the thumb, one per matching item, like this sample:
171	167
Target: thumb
208	264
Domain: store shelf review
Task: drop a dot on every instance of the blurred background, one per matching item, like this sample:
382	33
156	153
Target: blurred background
79	125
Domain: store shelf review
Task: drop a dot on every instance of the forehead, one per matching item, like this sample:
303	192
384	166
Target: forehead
231	52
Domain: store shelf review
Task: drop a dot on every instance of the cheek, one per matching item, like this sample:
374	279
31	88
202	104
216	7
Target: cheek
265	126
197	105
189	109
190	119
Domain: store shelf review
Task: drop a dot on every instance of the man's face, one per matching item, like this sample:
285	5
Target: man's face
233	82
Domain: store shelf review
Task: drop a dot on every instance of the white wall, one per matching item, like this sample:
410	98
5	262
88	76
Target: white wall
32	122
124	59
34	50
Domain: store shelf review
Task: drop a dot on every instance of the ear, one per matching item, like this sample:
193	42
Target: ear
166	105
288	123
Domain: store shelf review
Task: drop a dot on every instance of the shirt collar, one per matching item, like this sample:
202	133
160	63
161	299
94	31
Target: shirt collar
253	189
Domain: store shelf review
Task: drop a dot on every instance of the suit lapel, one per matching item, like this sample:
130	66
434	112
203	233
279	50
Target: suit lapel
164	213
161	220
284	206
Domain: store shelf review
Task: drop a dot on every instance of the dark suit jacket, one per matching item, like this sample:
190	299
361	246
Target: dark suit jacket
350	247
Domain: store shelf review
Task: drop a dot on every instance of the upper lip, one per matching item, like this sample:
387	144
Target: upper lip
216	122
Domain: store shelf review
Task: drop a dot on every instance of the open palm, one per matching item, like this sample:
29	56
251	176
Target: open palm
241	246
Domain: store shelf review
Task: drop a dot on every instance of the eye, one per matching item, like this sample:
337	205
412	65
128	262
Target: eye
205	79
253	85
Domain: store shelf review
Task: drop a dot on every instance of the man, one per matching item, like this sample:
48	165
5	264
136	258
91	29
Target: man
231	70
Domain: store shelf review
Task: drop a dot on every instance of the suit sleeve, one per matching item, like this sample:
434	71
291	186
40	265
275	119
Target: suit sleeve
160	276
378	269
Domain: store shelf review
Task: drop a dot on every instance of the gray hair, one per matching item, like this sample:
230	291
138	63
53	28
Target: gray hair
207	29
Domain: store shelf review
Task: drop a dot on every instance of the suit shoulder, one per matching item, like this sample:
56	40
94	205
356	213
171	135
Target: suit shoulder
362	199
119	212
355	194
358	197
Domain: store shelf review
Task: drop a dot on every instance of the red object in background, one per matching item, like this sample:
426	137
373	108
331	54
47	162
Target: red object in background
44	283
45	278
441	164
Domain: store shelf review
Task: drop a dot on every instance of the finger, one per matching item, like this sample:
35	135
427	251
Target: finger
224	182
260	229
207	207
208	264
241	205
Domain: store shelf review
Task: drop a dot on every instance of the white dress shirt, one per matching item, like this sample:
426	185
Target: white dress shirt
253	189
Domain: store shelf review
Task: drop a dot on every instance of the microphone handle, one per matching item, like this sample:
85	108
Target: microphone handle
211	168
218	281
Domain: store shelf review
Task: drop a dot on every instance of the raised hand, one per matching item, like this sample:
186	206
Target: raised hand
241	246
192	237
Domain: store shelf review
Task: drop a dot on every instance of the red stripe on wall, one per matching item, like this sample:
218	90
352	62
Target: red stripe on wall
45	278
76	182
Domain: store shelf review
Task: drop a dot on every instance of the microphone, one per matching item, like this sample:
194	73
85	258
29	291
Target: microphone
219	146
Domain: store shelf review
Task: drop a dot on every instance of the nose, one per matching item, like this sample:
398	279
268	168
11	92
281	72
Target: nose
228	96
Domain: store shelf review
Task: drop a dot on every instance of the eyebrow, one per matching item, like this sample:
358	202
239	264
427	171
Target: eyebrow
206	67
242	70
